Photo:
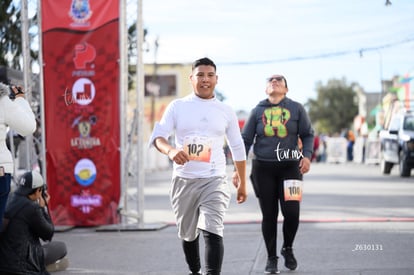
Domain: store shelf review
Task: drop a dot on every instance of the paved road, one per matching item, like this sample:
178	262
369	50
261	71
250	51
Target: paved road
354	221
331	192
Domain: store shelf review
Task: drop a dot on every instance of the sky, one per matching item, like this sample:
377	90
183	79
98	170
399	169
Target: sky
308	41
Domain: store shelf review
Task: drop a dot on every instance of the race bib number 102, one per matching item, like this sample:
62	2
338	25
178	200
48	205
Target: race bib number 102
198	148
293	190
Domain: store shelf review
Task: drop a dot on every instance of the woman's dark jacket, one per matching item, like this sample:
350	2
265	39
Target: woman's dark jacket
20	247
274	129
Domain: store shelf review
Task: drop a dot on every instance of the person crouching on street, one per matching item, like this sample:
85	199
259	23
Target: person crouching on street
26	223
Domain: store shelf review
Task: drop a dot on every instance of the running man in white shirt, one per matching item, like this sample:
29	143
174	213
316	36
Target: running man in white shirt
200	193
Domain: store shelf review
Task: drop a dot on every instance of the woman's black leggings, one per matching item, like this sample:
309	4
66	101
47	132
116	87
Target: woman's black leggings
267	179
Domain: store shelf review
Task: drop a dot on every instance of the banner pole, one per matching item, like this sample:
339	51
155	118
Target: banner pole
26	75
123	89
140	109
41	93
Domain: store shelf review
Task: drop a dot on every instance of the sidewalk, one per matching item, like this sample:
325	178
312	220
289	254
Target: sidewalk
346	229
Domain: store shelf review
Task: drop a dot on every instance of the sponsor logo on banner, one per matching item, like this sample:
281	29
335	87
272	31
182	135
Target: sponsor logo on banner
85	172
83	91
84	54
86	202
80	12
84	141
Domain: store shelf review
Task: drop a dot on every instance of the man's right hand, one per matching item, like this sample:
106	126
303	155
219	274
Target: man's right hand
44	200
178	156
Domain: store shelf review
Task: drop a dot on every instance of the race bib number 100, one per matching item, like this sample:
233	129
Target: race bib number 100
198	148
293	190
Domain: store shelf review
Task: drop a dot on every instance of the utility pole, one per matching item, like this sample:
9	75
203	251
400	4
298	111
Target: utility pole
154	87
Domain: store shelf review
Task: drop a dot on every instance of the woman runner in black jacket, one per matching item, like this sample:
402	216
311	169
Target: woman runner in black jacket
281	134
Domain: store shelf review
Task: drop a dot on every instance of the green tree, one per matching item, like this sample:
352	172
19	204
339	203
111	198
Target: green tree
335	106
10	34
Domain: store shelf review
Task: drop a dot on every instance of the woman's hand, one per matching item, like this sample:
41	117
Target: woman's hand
304	165
241	188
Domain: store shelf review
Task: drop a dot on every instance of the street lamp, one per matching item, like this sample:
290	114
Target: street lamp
381	75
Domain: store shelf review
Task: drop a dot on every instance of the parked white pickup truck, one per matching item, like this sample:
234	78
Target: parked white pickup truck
397	144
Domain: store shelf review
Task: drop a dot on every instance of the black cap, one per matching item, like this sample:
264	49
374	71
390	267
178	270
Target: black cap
28	182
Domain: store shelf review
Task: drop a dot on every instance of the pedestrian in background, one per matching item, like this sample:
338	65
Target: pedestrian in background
200	193
274	128
27	223
350	137
16	113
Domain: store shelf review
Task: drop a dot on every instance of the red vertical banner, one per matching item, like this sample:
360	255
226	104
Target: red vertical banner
80	45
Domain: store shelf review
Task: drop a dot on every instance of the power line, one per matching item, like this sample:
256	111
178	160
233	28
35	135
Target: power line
319	56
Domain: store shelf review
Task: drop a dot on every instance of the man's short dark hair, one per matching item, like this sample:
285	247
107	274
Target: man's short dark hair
203	61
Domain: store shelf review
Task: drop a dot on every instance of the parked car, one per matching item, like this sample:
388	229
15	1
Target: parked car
397	145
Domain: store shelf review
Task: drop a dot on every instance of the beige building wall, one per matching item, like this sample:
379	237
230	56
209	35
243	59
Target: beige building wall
178	76
183	87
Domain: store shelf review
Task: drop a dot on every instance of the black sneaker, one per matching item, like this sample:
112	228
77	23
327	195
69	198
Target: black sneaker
290	261
195	273
271	266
